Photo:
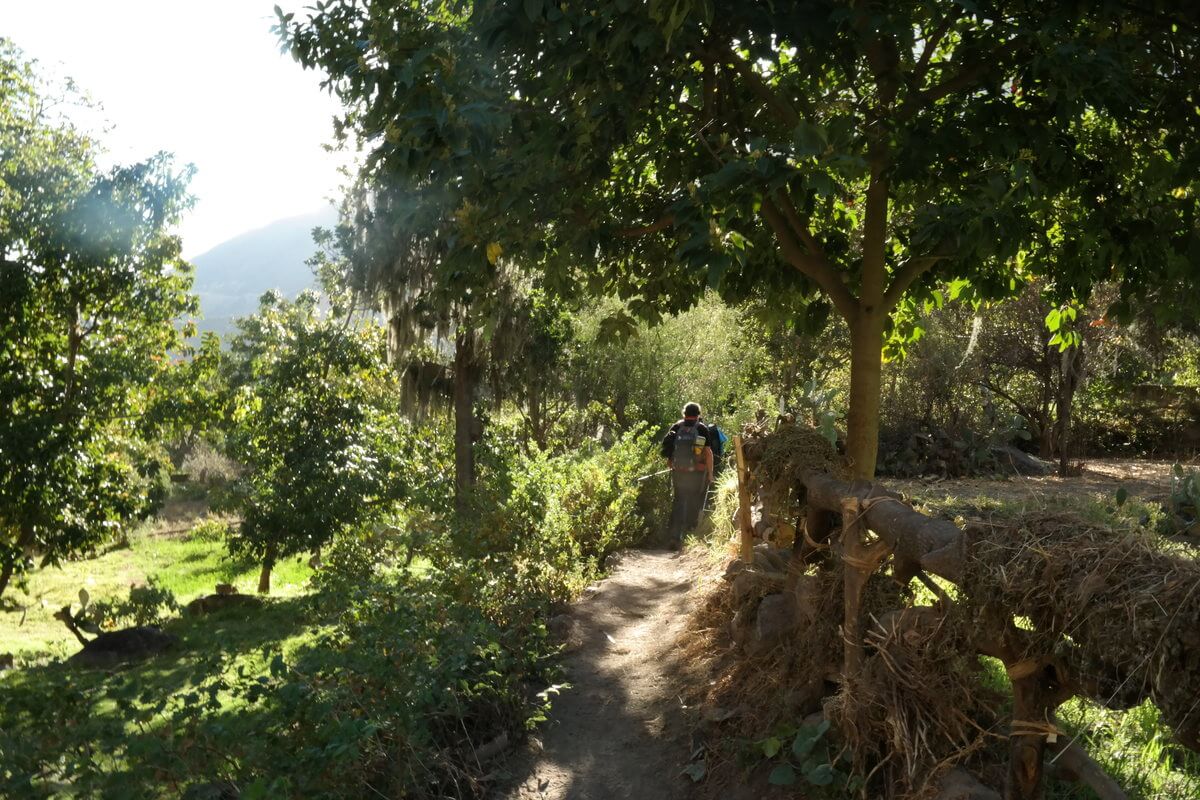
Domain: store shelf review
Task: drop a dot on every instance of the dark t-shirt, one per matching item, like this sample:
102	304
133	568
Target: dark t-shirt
668	443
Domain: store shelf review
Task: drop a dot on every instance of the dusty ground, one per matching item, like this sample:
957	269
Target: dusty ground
1100	480
620	731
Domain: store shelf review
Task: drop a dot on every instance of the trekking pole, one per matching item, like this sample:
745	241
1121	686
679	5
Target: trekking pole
652	474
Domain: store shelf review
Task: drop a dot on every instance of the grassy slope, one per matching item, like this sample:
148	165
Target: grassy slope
219	646
187	567
221	643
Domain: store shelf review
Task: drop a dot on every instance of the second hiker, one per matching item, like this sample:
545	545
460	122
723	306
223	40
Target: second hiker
689	455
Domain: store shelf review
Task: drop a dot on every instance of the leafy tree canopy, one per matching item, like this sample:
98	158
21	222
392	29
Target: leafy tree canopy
316	427
859	150
91	283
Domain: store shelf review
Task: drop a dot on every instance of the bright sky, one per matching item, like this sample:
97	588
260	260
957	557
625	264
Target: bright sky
204	80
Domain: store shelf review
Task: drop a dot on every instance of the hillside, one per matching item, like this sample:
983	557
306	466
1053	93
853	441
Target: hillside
233	275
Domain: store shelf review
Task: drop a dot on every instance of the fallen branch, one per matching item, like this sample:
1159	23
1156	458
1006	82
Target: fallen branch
1074	764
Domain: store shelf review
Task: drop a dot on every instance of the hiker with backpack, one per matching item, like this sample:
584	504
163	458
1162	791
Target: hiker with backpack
689	455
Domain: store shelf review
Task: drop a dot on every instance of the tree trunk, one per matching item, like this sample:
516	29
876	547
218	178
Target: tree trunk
1072	368
464	413
264	577
6	572
1046	423
866	323
862	421
537	415
24	540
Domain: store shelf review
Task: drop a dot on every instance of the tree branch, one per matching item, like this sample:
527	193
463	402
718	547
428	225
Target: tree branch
882	54
960	80
799	225
1022	409
662	223
1072	760
965	77
759	88
809	264
931	44
909	271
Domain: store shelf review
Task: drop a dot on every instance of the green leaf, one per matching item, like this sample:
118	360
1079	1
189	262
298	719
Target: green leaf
771	746
782	775
1122	496
807	738
533	9
84	598
696	771
804	742
820	775
822	184
809	139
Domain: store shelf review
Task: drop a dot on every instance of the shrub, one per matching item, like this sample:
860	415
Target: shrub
564	514
207	467
150	604
210	529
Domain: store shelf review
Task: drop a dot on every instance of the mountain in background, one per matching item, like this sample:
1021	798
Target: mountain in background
233	275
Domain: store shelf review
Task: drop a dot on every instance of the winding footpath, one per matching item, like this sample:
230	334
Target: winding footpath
619	731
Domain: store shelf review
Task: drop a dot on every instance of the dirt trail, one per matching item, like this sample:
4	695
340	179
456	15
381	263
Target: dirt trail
619	731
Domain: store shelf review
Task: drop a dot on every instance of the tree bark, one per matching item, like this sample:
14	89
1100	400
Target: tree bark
24	540
1071	369
862	421
465	376
1046	423
264	577
866	323
537	415
923	543
6	572
1074	764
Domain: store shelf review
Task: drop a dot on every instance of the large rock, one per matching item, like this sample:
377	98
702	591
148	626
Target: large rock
221	601
775	621
741	626
564	629
771	559
805	698
128	644
752	583
1021	462
735	567
212	790
806	594
958	784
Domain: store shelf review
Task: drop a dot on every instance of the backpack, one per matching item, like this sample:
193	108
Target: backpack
716	440
687	440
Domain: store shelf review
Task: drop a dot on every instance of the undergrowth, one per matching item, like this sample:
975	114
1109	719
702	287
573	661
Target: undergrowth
384	676
1134	746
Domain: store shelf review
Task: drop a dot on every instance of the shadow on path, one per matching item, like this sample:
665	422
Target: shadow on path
619	731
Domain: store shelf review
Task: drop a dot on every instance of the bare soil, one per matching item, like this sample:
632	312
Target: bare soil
1099	480
620	731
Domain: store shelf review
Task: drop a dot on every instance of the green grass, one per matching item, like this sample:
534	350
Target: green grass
113	726
214	648
1135	748
187	567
